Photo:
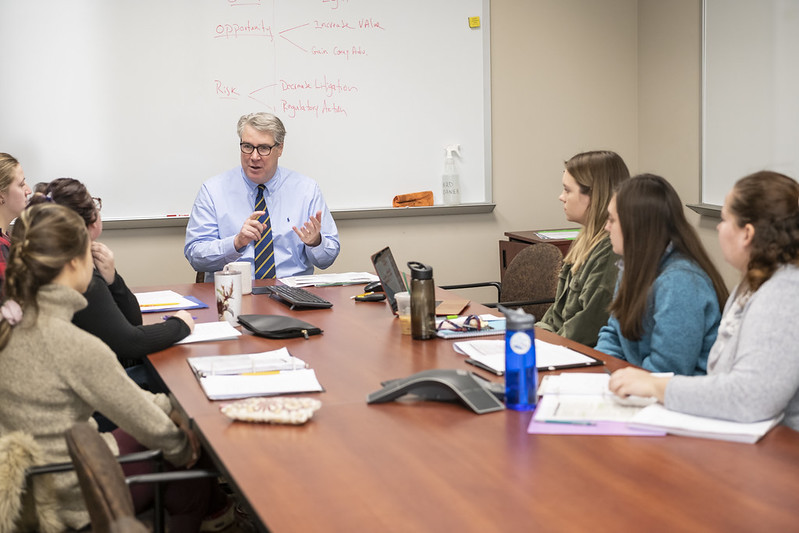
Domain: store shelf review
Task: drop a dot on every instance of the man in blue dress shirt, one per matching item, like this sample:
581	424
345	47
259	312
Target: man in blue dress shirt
224	225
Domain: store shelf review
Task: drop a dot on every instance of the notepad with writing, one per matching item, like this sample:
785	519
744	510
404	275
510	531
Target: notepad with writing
221	387
270	361
225	377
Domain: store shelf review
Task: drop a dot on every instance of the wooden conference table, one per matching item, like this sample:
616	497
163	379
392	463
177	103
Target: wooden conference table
429	466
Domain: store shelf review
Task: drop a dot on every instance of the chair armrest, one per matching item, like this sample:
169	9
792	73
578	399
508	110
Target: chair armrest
166	477
136	457
497	285
523	303
53	468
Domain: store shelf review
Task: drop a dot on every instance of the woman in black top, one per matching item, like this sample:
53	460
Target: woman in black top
113	313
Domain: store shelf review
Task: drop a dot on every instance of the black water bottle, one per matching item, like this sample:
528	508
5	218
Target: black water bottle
423	301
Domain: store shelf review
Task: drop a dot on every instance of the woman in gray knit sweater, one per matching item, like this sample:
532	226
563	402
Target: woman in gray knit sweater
753	367
53	374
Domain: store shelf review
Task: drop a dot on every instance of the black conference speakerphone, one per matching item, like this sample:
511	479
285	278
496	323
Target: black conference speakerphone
471	390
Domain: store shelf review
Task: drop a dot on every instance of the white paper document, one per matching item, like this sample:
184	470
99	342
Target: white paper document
271	361
321	280
220	387
594	384
162	300
211	331
558	234
575	383
582	408
547	356
658	417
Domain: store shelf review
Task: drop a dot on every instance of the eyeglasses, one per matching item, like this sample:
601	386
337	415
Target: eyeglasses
98	202
263	149
469	323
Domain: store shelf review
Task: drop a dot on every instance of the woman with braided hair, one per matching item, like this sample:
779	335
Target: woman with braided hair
53	374
753	367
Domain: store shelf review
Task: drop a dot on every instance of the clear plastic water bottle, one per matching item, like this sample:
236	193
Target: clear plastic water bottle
521	375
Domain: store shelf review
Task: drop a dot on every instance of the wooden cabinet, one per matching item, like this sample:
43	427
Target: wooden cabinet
518	240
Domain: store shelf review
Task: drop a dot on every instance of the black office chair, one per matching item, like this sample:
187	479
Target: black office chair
530	282
104	485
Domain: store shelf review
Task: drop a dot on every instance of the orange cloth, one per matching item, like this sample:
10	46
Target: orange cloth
414	199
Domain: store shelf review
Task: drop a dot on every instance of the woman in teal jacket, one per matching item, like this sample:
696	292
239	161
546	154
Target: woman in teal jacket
666	310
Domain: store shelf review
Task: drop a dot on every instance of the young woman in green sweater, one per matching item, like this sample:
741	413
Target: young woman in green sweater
588	276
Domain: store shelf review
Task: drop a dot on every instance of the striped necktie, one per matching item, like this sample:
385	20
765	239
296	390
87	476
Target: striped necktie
264	249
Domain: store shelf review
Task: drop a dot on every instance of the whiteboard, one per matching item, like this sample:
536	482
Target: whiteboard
750	87
139	100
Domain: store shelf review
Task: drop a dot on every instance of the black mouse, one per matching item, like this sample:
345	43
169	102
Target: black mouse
375	286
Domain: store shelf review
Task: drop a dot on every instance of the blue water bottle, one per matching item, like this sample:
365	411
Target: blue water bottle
521	375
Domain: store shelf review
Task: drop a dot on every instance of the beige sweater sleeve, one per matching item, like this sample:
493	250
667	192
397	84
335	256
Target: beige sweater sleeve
100	381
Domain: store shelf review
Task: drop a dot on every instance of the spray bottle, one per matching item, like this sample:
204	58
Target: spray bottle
450	181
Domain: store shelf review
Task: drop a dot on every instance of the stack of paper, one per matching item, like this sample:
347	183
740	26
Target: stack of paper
582	404
658	417
285	382
224	377
558	234
152	302
321	280
248	363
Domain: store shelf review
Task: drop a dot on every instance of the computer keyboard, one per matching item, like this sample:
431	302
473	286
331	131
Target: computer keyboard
297	297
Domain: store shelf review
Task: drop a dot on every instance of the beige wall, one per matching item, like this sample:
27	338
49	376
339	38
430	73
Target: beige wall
669	105
567	76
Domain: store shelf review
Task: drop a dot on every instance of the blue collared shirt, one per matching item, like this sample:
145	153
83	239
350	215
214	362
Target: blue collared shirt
227	200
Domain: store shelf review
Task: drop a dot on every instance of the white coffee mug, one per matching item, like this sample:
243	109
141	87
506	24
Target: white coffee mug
227	286
245	267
